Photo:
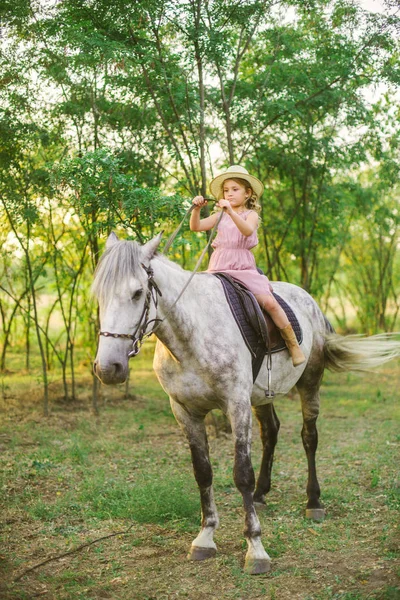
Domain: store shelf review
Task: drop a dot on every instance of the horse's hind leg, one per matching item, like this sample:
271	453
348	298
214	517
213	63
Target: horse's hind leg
269	428
194	428
310	407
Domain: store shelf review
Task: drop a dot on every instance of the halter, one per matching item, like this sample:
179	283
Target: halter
152	293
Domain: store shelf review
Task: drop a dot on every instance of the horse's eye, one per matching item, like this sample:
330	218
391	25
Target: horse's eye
137	294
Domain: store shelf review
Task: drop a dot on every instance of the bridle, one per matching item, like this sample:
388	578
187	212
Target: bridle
153	293
139	335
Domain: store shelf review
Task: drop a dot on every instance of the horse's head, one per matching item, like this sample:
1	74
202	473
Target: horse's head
121	286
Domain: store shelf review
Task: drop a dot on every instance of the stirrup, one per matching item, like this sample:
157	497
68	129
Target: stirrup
268	392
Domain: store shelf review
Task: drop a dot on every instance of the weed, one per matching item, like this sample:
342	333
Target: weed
374	478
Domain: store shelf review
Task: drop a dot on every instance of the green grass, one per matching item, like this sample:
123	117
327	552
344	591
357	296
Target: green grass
74	477
173	500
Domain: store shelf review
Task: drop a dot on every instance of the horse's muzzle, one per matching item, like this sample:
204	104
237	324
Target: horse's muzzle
111	373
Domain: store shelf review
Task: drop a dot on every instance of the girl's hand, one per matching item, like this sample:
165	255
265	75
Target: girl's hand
225	205
199	201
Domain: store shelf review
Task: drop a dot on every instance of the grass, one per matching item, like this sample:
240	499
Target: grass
74	477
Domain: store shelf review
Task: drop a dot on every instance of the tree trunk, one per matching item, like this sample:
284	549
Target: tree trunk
127	382
95	394
71	355
27	336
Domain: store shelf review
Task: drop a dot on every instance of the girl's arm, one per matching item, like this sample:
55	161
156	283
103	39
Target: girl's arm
197	224
245	227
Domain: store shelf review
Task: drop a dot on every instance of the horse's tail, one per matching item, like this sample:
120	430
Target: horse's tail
359	352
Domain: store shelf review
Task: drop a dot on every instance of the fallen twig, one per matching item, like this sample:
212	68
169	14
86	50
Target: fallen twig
44	562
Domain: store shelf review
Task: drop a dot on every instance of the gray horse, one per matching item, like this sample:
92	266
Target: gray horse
203	363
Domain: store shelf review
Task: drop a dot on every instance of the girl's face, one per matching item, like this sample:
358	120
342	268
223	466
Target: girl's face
235	193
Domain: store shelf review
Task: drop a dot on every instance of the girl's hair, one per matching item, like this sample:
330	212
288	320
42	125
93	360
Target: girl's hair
252	201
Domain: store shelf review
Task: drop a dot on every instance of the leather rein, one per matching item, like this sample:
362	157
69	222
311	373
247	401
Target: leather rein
153	293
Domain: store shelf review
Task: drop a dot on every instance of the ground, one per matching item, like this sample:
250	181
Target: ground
73	477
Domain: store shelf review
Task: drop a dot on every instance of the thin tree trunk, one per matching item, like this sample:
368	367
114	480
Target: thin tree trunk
39	339
27	327
47	344
95	258
72	367
95	112
7	332
95	394
127	385
199	63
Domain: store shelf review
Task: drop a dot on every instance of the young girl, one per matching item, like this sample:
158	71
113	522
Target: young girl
237	193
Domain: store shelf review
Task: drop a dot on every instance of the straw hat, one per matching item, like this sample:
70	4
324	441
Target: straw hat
235	171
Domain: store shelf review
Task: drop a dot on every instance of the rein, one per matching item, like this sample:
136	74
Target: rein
153	292
177	230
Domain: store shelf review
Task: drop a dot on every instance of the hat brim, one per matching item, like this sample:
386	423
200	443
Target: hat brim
215	185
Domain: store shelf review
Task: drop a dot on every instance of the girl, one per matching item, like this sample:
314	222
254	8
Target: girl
237	193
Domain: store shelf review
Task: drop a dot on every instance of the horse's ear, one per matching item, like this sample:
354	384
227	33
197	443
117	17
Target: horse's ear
149	249
111	240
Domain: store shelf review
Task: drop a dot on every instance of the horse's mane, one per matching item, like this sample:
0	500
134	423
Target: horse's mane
170	263
117	264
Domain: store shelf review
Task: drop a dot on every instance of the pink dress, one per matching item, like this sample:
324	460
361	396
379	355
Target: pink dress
232	255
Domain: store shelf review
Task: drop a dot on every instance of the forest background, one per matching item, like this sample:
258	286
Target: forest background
114	114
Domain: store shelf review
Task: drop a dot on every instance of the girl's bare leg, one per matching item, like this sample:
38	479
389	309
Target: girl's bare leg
278	315
271	306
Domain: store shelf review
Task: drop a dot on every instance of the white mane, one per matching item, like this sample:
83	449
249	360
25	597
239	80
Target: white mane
172	264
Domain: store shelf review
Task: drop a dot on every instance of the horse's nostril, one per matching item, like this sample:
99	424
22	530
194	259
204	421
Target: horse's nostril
94	367
118	368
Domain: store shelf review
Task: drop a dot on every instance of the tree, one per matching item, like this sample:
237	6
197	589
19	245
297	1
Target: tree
22	180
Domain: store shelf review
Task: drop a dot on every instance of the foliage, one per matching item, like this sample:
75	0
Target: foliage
104	197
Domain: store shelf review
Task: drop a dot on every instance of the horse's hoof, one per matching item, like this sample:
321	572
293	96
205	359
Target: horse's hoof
201	553
257	566
316	514
259	505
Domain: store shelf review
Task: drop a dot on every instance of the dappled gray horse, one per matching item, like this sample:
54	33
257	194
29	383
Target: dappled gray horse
203	363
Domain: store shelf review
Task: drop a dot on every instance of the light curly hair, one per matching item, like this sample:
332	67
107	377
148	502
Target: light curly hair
252	201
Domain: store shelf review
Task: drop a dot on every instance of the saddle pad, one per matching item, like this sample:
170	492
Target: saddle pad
256	326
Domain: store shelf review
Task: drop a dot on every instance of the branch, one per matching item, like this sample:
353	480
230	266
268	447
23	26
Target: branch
240	53
53	558
135	42
172	102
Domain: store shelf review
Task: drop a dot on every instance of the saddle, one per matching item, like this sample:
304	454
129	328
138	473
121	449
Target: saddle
258	330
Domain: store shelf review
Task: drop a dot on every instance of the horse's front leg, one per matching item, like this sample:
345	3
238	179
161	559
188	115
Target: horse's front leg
194	428
257	560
